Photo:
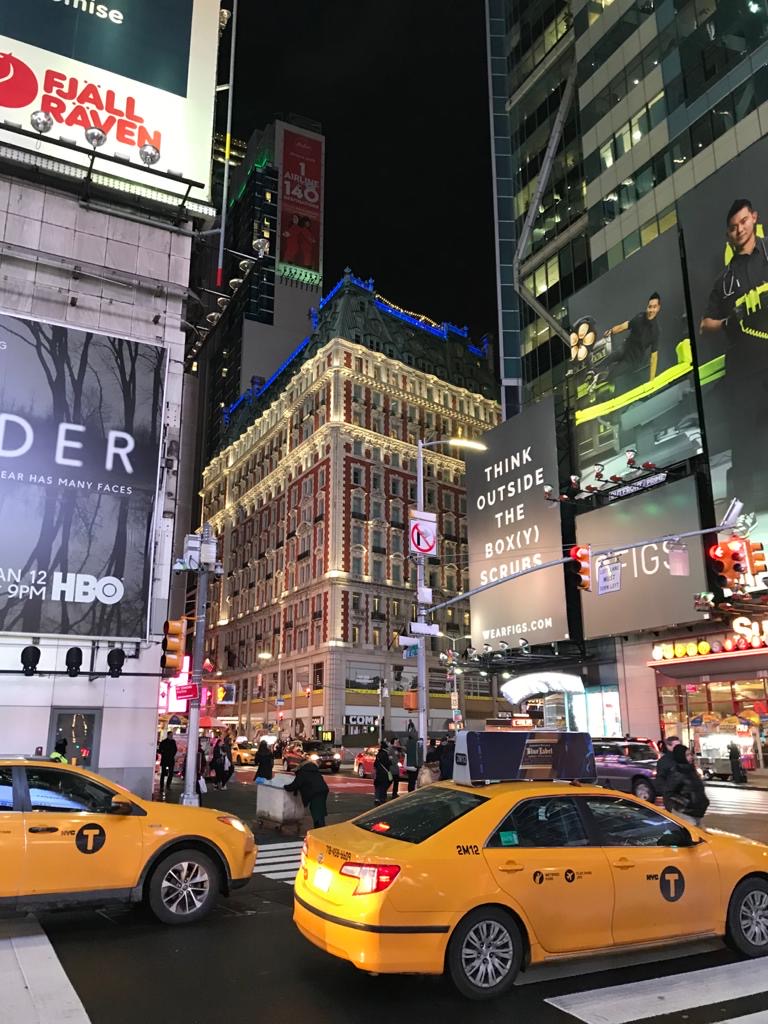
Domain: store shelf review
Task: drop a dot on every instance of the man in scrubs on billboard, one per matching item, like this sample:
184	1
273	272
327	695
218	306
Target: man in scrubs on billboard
738	306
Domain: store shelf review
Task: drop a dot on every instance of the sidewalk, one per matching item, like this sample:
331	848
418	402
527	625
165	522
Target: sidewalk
35	988
756	780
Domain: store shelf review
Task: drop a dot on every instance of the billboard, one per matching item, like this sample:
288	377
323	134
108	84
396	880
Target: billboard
512	527
80	435
301	161
632	368
727	262
141	71
648	597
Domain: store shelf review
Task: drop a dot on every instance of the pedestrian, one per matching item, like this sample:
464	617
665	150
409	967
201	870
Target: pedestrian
685	789
278	749
412	759
446	759
201	786
433	752
313	790
664	766
218	763
382	774
395	753
738	774
229	767
167	751
265	762
61	746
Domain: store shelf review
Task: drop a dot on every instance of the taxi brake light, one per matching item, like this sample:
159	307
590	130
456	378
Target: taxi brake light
371	878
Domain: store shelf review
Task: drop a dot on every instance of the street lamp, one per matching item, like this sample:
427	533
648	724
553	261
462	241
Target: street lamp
263	657
423	689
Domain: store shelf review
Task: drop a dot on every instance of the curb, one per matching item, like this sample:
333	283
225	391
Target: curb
736	786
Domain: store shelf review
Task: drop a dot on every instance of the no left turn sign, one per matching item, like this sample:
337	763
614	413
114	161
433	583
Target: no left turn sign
423	538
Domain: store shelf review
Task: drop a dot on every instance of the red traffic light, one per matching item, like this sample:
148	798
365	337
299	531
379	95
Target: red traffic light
582	556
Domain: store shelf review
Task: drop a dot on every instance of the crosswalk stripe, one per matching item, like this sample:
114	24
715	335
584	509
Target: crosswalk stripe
620	1004
279	861
750	1018
263	869
281	846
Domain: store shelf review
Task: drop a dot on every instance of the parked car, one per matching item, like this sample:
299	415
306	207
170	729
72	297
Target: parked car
627	765
315	750
364	762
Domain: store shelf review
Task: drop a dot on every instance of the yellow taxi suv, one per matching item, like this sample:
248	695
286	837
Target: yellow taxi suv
482	880
70	837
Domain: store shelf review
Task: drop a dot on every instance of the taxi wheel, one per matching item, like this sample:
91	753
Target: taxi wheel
183	888
748	917
485	953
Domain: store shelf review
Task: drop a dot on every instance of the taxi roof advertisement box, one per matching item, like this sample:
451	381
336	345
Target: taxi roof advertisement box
80	435
141	70
649	597
511	527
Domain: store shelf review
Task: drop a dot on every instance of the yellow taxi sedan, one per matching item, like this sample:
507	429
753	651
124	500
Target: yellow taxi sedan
70	837
482	881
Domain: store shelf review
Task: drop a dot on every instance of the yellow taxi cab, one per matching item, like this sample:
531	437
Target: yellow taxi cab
481	881
70	837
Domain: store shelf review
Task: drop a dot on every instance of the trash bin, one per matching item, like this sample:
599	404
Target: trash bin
275	805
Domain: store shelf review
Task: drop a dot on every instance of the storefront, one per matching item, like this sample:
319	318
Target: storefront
562	700
713	692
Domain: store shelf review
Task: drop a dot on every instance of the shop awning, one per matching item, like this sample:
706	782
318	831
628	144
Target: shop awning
728	665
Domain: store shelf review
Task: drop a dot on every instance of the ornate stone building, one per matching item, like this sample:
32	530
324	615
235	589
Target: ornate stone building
309	499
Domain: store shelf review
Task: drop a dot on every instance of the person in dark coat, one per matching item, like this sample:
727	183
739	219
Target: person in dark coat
167	751
229	766
265	762
382	774
395	753
433	752
446	759
412	759
685	789
313	790
737	772
664	767
61	746
219	765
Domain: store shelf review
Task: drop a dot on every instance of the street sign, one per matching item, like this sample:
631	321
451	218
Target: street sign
422	533
609	577
411	652
279	702
425	628
454	699
187	691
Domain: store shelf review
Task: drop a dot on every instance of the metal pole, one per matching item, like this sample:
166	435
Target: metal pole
227	146
190	796
421	665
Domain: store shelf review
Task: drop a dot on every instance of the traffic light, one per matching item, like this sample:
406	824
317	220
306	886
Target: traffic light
116	660
755	558
735	560
30	656
716	556
174	645
73	661
581	566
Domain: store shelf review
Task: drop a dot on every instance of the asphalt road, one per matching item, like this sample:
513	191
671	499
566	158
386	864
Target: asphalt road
247	961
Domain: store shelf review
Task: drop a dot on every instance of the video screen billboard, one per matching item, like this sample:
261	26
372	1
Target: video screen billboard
141	71
80	436
511	527
301	156
632	367
648	596
723	221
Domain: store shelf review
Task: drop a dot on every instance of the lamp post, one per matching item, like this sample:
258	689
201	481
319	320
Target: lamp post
421	604
264	657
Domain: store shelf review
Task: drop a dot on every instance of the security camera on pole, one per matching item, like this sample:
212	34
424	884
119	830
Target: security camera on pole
199	557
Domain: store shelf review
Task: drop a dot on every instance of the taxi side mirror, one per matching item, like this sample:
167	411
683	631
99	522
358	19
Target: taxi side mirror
120	805
679	837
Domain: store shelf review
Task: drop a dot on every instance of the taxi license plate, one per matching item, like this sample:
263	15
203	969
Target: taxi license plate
322	879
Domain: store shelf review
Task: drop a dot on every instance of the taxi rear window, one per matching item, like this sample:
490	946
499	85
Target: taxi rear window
419	815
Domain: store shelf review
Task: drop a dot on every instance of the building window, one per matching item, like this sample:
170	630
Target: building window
357	601
357	475
357	565
355	635
397	579
378	570
377	509
357	503
357	534
376	636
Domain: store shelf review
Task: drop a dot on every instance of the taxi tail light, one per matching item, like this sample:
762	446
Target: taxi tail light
371	878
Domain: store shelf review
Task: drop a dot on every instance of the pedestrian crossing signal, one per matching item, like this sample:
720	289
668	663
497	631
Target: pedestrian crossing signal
756	558
174	645
581	566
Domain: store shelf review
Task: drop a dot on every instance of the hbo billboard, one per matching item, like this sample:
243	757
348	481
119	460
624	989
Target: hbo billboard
80	432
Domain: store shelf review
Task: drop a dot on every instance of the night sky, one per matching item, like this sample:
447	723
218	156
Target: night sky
400	88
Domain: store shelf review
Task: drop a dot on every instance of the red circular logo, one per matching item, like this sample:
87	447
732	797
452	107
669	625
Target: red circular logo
18	85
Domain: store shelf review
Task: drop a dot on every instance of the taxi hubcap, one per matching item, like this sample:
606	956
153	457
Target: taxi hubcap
753	917
185	887
487	954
